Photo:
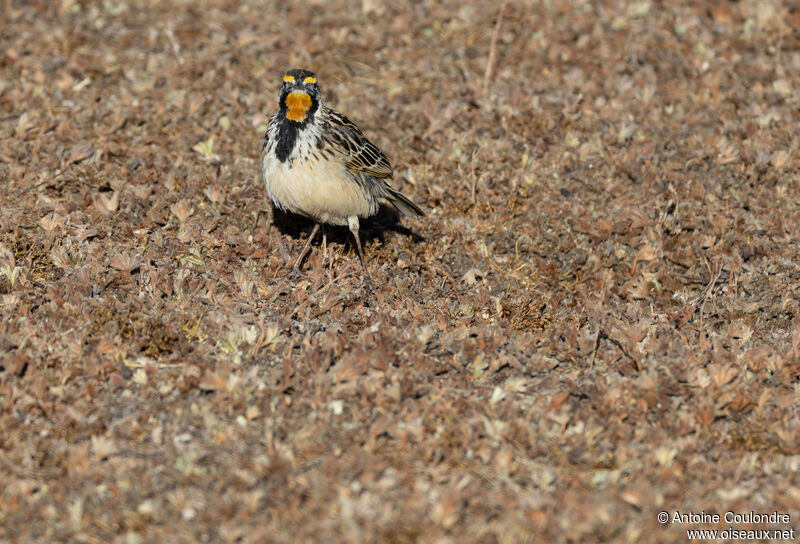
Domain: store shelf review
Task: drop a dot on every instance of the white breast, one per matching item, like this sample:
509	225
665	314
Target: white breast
311	185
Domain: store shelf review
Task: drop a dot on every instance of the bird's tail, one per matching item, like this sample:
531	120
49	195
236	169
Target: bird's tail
402	203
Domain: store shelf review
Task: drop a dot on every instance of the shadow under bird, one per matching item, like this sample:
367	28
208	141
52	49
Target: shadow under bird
317	163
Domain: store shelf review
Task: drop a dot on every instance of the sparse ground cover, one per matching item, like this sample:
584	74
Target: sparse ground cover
596	322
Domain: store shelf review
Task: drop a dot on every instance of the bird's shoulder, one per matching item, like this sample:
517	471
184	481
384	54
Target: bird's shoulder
347	141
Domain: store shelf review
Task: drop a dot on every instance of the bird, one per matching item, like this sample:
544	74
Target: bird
318	164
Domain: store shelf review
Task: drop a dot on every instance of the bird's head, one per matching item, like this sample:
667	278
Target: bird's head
300	96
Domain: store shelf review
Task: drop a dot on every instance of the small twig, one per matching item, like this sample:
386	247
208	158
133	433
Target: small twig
636	363
596	345
778	68
493	49
175	47
37	185
318	292
714	274
447	277
474	179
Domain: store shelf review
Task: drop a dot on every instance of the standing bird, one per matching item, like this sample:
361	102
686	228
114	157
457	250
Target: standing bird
318	164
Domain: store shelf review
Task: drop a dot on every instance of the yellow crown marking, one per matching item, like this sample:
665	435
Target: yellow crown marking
288	79
310	80
298	103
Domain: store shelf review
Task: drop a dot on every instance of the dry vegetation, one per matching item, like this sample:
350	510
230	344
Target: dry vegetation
597	320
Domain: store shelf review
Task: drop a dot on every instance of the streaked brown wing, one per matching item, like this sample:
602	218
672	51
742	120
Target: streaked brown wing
358	153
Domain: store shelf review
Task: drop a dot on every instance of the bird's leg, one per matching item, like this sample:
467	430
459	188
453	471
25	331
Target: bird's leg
353	224
296	267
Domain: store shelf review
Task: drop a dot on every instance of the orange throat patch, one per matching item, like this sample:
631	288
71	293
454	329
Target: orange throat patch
298	103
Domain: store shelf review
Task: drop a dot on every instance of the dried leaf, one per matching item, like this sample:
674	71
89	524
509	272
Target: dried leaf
125	262
109	202
80	153
206	150
182	209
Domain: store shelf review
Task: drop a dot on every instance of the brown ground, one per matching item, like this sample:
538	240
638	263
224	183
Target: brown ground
597	320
